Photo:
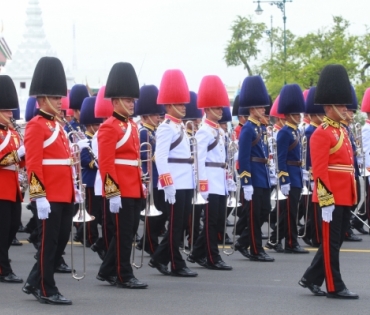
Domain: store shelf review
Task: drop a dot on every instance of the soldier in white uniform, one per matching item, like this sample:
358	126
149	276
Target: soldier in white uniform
212	96
174	164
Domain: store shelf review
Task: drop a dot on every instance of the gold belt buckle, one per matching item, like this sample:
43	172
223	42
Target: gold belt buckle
139	162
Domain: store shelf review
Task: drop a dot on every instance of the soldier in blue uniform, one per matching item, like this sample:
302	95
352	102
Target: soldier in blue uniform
149	111
89	170
291	174
253	166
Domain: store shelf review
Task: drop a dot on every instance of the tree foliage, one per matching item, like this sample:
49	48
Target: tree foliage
306	55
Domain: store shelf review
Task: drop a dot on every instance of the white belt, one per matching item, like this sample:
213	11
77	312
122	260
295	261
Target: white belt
10	168
56	162
127	162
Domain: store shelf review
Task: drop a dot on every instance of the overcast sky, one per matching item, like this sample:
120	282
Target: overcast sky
155	35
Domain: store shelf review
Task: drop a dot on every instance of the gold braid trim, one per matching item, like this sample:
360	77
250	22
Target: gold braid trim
111	188
36	188
339	143
324	195
9	159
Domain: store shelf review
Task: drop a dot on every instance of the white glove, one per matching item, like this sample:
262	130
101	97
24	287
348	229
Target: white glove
306	175
78	196
169	194
84	143
21	177
204	194
327	213
231	186
248	192
273	179
115	204
285	189
312	183
360	160
43	208
21	151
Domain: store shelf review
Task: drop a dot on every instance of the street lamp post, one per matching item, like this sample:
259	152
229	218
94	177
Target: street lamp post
281	6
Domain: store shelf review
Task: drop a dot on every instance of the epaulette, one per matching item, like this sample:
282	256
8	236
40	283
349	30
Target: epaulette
168	121
324	126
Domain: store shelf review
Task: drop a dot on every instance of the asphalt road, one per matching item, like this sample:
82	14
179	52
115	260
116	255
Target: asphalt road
250	288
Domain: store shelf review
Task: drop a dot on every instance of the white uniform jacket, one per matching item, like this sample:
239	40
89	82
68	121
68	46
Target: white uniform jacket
211	164
178	174
366	143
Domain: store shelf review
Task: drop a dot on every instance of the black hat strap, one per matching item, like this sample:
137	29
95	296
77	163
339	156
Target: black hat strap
213	113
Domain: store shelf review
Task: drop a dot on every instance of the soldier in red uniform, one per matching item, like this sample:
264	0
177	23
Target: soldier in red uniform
50	179
10	194
119	166
334	183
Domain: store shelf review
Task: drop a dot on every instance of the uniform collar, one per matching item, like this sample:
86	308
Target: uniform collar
3	127
46	115
291	125
88	133
344	123
120	117
277	127
331	122
147	126
211	123
313	124
173	119
255	121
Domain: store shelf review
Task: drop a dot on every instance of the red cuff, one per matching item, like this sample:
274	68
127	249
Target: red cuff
165	180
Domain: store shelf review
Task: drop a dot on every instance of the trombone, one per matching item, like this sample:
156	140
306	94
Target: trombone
150	209
81	216
234	197
276	195
305	190
197	197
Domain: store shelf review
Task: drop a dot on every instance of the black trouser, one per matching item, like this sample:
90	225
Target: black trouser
93	208
9	224
117	260
207	244
154	224
325	264
107	225
53	234
168	249
258	211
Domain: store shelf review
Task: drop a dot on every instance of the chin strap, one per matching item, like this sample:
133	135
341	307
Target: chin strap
281	122
177	111
124	107
213	113
153	124
52	106
319	118
339	114
296	122
7	120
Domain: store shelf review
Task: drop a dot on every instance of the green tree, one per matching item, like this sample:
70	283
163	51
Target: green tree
243	45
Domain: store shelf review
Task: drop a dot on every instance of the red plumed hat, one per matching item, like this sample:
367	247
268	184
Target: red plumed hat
173	89
212	93
365	105
273	111
103	106
65	102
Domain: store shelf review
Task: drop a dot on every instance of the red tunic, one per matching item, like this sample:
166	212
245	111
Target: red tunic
9	163
332	165
55	182
237	130
119	179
